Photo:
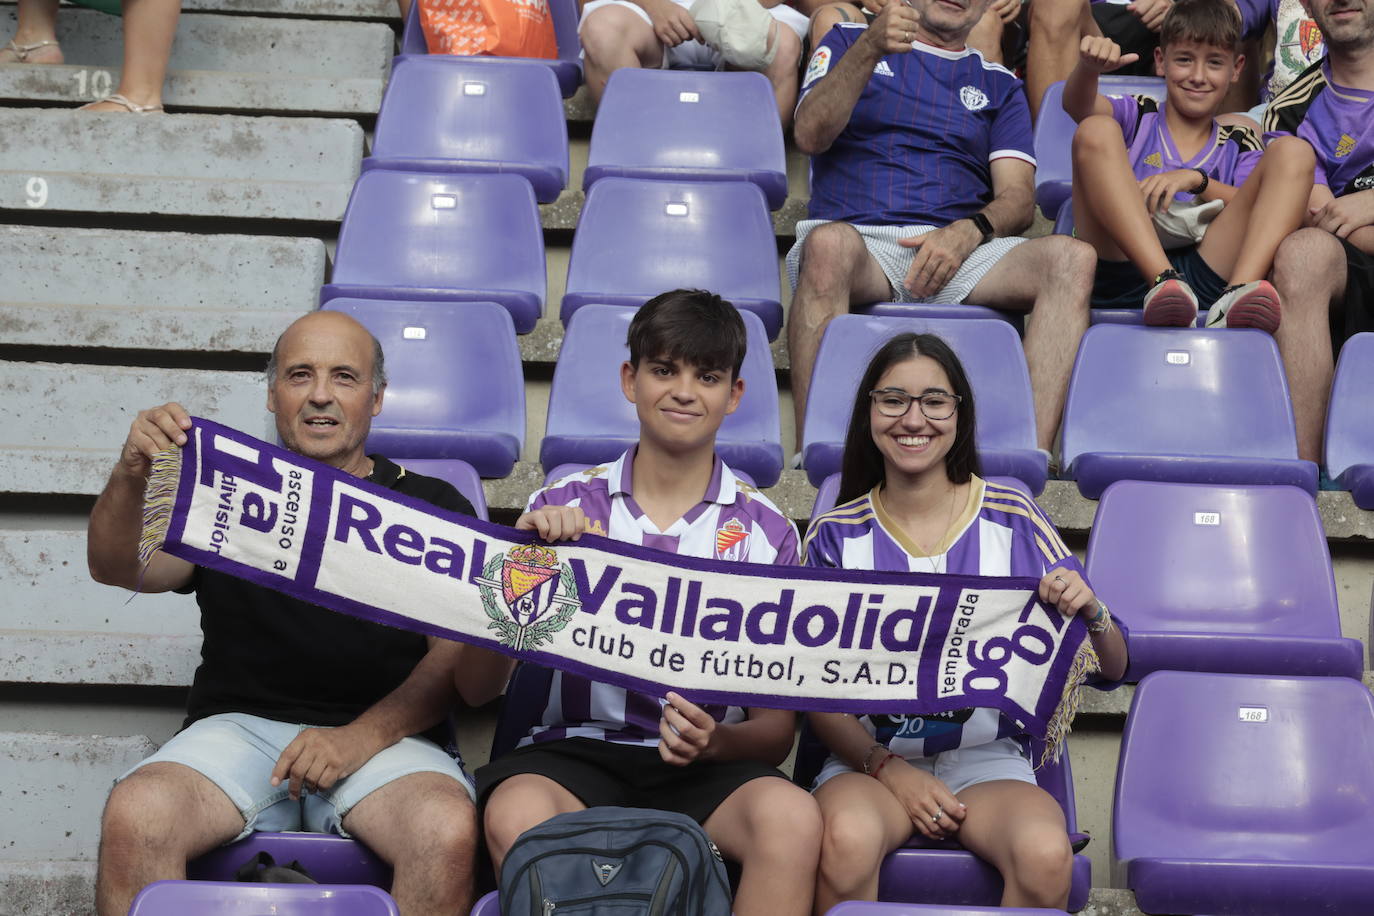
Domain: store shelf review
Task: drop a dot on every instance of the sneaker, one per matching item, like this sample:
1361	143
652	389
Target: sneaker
1247	305
1171	303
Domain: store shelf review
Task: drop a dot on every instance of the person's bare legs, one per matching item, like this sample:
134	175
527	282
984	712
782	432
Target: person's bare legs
615	37
1019	829
773	829
1108	210
519	803
150	27
1238	246
1052	51
863	822
37	23
836	271
1310	275
1053	277
157	819
425	826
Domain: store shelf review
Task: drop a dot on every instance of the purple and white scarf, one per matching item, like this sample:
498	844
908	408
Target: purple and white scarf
739	634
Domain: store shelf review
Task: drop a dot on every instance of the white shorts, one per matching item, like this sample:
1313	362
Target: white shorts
895	260
237	752
960	768
694	55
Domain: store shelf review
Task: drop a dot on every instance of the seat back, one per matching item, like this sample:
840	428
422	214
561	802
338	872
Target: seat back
462	475
177	898
328	858
1349	432
421	237
682	124
1218	578
992	358
1231	766
636	239
447	113
455	386
591	422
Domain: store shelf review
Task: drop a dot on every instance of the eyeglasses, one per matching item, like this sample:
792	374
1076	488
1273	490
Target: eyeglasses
894	402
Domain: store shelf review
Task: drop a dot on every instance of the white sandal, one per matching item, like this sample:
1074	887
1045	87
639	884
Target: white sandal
122	100
22	52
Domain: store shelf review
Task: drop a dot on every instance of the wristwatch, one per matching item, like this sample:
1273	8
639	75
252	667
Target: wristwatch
984	226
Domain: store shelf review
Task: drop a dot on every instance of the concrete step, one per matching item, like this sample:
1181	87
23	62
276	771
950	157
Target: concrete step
312	9
220	63
153	290
178	165
64	424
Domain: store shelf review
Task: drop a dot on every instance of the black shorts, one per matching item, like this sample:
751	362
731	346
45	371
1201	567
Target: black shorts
629	776
1118	285
1123	27
1357	313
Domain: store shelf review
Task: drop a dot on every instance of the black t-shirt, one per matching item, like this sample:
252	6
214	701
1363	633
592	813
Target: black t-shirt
270	655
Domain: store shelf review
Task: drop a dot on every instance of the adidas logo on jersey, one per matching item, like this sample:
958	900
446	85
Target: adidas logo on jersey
1345	147
882	69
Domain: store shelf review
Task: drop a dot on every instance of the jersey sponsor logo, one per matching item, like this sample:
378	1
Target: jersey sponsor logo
882	69
1345	146
732	540
974	99
819	66
531	582
1155	161
890	727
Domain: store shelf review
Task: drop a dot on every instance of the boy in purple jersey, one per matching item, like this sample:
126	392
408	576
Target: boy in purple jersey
1136	165
1325	271
598	744
922	174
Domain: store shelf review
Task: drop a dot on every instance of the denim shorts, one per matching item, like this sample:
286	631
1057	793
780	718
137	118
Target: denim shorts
237	752
962	767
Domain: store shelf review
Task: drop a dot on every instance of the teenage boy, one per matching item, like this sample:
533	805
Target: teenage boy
1133	163
602	745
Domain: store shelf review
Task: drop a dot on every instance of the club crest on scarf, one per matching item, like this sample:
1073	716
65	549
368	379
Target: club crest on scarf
539	594
732	541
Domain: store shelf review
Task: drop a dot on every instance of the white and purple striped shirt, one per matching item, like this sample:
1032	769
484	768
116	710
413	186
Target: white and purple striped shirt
1000	532
734	521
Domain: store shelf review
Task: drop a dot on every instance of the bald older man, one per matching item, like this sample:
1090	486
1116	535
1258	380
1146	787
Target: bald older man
298	718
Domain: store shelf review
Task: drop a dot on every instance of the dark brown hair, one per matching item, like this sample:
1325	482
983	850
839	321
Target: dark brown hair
692	325
1206	22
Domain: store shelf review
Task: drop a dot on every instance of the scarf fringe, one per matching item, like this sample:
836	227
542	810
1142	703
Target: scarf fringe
1085	662
159	498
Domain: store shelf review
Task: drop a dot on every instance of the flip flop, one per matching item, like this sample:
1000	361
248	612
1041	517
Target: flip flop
22	52
122	100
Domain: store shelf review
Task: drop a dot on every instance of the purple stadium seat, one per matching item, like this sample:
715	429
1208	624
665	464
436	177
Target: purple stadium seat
328	858
462	475
1054	131
205	898
1246	795
445	113
685	125
1220	578
455	386
996	366
590	422
638	238
857	908
567	66
488	905
442	238
1188	406
938	310
1349	429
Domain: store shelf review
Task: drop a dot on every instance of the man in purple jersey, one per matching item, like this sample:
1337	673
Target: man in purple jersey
1325	272
922	171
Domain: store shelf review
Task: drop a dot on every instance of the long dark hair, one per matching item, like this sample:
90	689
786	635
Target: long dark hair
862	467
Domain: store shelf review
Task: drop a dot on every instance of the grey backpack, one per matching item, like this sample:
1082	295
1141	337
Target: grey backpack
617	862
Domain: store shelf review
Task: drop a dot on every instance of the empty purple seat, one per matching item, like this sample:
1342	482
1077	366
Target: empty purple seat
636	239
1349	426
1054	131
567	66
204	898
1189	406
328	858
591	422
683	124
940	310
1220	578
996	366
857	908
445	113
462	475
455	387
1238	794
449	238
